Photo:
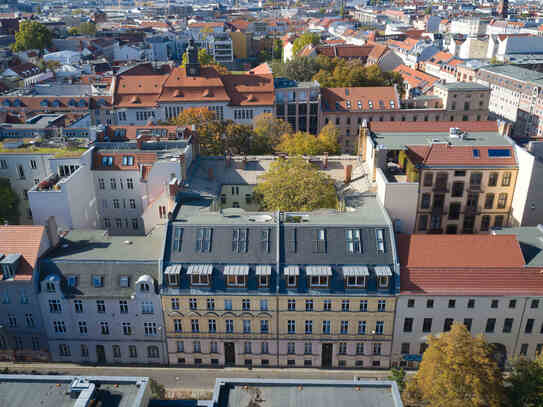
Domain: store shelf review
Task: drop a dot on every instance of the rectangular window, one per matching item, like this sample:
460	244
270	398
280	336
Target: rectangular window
345	305
265	240
100	306
494	304
506	179
127	328
150	328
363	305
408	325
291	348
291	325
319	242
229	326
379	327
239	240
195	325
344	327
427	325
362	327
452	303
291	305
534	304
353	241
203	243
309	305
529	326
326	327
147	307
123	306
471	303
104	327
429	303
64	349
405	348
212	326
493	179
82	327
502	200
132	351
380	240
78	306
246	305
308	327
447	324
467	323
381	305
264	326
54	306
228	305
98	281
490	325
263	305
428	179
177	239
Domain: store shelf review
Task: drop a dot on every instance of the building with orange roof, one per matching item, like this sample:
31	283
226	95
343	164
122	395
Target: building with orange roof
22	330
454	177
142	93
490	283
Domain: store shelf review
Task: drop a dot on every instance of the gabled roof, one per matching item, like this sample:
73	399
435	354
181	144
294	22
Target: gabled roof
442	154
25	240
415	78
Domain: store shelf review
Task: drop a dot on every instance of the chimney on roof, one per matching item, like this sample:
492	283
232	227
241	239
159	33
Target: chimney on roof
52	231
348	173
326	159
210	173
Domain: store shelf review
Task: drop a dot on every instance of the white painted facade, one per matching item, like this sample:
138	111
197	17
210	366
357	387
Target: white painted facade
455	307
527	207
400	199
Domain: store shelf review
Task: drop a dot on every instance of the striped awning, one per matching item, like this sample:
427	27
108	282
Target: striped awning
204	269
351	271
236	270
263	270
291	270
383	271
173	269
318	270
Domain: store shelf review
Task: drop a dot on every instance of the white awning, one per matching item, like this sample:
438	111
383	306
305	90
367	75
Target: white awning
145	279
318	270
205	269
263	270
236	270
351	271
173	269
291	270
383	271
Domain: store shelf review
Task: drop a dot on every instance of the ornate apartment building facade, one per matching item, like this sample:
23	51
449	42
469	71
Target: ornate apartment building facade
280	289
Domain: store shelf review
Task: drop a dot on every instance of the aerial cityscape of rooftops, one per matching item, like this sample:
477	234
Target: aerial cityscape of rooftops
271	202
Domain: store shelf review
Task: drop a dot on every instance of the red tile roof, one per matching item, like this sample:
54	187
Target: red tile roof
140	158
25	240
416	79
465	264
380	97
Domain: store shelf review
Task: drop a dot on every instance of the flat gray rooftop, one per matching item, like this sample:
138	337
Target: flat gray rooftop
399	140
461	86
81	244
302	393
361	209
530	239
207	174
516	72
54	391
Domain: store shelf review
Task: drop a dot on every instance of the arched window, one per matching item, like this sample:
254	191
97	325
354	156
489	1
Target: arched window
144	287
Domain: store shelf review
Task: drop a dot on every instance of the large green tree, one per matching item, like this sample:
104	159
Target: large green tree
32	35
303	40
457	370
203	57
86	28
268	131
293	184
301	143
525	383
9	203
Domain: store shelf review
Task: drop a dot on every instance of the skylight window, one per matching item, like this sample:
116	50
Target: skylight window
498	153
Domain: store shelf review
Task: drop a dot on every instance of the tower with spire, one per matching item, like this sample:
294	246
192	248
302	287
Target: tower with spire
193	64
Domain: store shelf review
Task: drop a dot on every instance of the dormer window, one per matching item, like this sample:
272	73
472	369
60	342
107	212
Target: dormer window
319	275
240	240
200	273
263	273
144	287
9	265
319	243
383	274
291	276
50	287
236	275
107	161
128	160
355	276
172	274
